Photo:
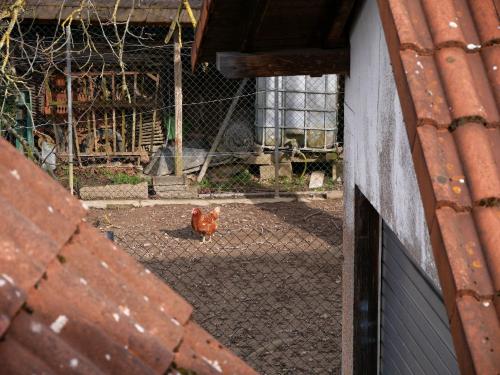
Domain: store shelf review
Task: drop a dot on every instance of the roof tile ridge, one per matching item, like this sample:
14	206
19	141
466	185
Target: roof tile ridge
455	207
456	123
416	49
484	299
484	203
431	122
468	48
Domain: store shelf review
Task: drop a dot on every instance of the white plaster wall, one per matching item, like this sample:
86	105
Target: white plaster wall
377	157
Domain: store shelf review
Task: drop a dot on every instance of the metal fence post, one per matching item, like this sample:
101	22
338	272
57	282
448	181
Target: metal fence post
276	139
178	104
70	108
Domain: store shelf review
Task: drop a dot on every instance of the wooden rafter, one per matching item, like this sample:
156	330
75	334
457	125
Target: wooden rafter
310	61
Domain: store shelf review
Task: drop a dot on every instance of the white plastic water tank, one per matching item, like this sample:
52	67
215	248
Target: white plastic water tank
307	111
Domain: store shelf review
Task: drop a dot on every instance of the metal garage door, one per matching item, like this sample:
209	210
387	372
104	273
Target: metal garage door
414	332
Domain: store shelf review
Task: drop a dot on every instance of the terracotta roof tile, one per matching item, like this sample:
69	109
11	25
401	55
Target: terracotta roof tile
444	166
488	222
450	23
71	300
491	58
451	47
494	139
411	23
427	93
481	329
478	158
486	16
18	176
462	73
204	354
468	265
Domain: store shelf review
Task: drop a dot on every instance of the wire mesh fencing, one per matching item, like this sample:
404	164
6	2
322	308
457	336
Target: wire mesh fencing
271	292
141	116
144	125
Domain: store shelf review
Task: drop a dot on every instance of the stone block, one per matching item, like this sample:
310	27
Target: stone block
334	194
186	193
168	180
267	171
316	180
262	159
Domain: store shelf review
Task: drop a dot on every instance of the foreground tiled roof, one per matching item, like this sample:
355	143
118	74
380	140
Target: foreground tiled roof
72	302
446	60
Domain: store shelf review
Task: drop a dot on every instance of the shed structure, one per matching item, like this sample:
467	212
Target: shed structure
422	164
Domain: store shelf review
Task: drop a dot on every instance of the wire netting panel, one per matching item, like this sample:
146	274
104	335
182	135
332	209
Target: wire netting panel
130	120
268	289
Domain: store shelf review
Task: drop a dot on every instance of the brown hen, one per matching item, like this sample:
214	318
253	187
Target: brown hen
206	225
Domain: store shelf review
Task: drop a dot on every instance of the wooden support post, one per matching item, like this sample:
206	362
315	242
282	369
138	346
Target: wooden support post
140	130
70	107
154	113
134	112
113	96
178	104
89	134
106	133
277	138
124	142
77	145
222	129
94	128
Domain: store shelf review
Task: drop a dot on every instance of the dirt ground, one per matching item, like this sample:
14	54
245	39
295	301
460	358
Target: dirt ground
268	286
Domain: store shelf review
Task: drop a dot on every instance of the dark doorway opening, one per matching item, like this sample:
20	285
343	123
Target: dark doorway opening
366	285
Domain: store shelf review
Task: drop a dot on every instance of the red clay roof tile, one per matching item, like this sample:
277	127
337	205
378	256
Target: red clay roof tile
450	23
494	139
445	169
19	181
201	351
481	327
486	20
459	139
425	87
478	159
138	278
467	261
466	85
413	30
487	223
71	300
491	60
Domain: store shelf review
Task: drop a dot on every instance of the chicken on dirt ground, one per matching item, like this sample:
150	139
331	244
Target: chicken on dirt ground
206	225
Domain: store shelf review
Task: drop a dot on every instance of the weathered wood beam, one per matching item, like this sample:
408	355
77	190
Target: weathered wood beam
256	13
337	32
283	63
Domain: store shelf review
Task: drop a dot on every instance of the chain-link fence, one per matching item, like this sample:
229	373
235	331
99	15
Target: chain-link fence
268	284
141	116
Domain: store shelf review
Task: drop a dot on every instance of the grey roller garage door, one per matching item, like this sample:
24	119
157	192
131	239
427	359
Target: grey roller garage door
414	332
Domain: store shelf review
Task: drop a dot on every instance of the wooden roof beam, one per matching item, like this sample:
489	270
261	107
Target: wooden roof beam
310	61
257	11
336	36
